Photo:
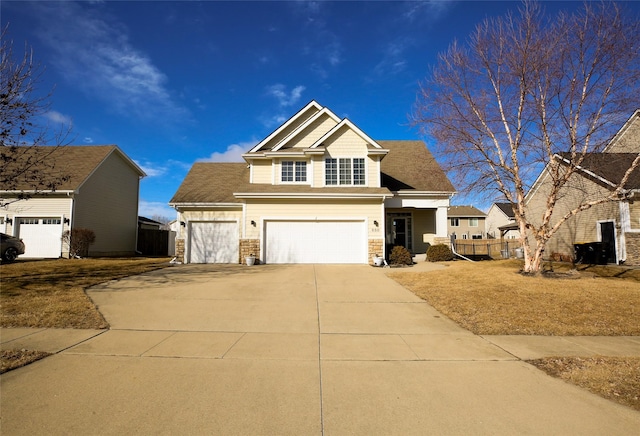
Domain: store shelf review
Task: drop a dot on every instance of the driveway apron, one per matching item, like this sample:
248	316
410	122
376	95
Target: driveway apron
288	349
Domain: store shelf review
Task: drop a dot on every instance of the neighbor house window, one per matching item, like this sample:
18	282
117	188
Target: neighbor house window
473	222
344	171
454	222
294	171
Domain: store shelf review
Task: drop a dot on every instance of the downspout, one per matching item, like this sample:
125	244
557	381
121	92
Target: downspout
453	250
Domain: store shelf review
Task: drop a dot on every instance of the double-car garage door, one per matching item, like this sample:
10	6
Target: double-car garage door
315	242
284	241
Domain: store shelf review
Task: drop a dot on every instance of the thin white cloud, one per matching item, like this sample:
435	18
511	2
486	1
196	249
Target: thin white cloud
150	209
151	169
92	50
88	140
429	11
57	117
285	98
233	153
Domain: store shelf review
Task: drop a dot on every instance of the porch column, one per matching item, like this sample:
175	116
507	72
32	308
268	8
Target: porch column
441	222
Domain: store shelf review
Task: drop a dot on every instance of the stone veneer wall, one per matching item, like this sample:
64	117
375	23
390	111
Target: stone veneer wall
248	247
375	247
633	248
180	250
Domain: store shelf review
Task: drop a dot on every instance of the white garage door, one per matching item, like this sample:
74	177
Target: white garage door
42	236
214	242
315	242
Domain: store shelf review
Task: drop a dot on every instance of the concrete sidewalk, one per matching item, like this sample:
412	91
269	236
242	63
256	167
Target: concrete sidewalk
305	349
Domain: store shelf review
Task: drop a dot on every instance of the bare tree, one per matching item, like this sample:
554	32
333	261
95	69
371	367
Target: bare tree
23	124
522	90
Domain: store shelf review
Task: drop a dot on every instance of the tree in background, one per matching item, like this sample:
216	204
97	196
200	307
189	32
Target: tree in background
524	88
23	124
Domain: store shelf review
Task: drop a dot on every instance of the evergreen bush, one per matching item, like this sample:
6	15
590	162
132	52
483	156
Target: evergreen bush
439	253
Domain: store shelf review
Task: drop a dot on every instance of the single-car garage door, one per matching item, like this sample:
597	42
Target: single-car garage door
315	242
214	242
42	236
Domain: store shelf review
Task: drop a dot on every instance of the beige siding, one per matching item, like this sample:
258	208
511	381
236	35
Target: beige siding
424	222
262	172
465	228
209	215
629	141
318	171
285	132
581	228
108	204
346	143
257	210
634	212
54	205
312	133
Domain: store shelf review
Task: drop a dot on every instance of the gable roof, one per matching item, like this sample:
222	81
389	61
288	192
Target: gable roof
506	209
464	211
409	165
212	182
350	125
608	168
74	163
619	143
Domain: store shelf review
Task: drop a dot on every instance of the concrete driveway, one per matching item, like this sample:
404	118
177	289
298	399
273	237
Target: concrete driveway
304	349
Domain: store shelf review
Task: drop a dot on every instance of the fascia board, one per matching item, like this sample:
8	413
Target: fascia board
301	127
36	192
308	195
206	205
622	130
272	154
287	123
423	193
589	173
346	122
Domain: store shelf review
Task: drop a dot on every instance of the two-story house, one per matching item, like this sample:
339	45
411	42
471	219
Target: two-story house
501	222
316	190
466	222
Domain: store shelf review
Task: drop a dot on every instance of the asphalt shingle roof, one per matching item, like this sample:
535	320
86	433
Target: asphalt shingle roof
611	167
464	211
73	162
408	165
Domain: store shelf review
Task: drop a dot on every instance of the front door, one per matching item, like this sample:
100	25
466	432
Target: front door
400	231
608	235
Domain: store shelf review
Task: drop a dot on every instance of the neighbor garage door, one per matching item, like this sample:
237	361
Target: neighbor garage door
42	236
214	242
315	242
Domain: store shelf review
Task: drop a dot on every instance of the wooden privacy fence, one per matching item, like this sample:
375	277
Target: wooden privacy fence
494	248
153	242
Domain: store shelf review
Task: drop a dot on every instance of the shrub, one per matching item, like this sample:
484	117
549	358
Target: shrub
78	241
439	253
400	256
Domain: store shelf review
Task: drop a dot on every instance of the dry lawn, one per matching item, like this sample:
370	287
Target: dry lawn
12	359
493	298
51	293
617	379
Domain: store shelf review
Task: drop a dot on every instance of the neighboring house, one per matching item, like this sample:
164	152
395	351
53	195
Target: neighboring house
101	194
615	224
501	215
316	190
466	222
149	224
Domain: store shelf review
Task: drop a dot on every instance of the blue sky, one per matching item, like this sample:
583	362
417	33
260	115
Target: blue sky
172	83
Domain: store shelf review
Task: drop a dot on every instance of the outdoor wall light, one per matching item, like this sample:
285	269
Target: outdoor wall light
10	220
375	223
253	223
183	224
66	220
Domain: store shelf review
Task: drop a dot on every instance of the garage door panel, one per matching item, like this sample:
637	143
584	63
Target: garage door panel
214	242
315	242
42	236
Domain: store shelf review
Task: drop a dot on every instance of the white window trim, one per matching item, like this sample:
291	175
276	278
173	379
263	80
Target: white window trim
476	224
349	185
294	182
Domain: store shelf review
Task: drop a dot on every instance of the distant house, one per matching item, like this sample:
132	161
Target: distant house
316	190
615	224
149	224
101	194
466	222
501	215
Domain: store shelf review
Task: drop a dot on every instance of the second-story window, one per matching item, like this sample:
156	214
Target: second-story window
294	171
344	171
473	222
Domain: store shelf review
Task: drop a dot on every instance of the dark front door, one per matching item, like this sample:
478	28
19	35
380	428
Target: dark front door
608	240
400	231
